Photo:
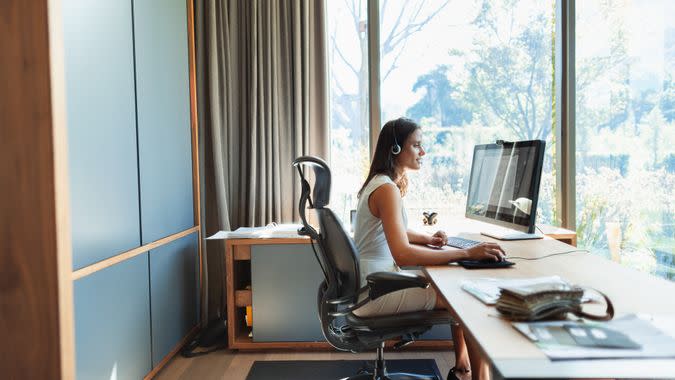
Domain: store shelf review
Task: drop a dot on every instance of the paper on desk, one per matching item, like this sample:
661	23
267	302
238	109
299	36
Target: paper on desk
487	289
269	231
655	342
282	231
220	235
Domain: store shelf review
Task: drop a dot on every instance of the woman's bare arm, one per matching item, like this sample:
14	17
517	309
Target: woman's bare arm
417	237
385	203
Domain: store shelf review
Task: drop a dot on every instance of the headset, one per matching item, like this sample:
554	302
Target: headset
395	149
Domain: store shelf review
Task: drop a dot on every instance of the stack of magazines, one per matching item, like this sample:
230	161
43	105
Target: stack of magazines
533	302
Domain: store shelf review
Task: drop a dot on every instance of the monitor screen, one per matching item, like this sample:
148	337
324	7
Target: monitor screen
504	183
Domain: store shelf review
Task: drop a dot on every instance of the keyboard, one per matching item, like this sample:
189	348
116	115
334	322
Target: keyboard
461	243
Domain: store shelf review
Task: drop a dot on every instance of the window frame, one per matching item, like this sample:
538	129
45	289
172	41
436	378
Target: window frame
564	84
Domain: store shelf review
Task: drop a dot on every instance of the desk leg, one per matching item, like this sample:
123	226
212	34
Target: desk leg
229	290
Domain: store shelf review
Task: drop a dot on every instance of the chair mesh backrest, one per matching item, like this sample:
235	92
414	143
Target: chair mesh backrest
338	252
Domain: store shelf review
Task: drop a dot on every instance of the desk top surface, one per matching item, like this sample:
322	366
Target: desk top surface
513	354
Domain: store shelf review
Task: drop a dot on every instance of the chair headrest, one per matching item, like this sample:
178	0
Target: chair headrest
321	193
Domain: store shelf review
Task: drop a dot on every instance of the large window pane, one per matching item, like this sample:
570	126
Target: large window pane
625	134
470	72
348	63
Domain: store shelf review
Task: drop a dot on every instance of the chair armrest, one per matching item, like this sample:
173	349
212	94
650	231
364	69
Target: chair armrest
347	303
377	285
347	299
381	283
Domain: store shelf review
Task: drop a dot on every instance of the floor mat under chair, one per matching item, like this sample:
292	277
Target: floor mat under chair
333	369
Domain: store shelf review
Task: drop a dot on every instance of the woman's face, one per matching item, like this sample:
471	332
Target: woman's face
412	152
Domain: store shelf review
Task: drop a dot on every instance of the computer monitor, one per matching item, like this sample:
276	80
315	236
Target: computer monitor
504	187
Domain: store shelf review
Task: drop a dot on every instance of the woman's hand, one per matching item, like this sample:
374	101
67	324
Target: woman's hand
439	239
486	251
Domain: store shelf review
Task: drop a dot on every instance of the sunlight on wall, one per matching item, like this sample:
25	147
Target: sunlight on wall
113	373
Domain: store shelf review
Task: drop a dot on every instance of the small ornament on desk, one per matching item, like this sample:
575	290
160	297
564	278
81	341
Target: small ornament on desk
429	218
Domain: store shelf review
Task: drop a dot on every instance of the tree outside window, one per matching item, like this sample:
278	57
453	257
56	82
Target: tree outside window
474	71
625	132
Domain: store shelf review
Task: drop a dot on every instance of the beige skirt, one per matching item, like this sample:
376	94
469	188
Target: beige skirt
402	301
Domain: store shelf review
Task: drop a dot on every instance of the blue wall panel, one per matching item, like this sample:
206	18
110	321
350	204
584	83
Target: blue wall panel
112	322
174	294
163	117
101	129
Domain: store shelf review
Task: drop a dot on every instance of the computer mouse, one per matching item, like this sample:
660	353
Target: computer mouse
488	261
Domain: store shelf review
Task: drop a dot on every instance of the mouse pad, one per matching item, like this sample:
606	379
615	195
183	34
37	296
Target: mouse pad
481	264
335	369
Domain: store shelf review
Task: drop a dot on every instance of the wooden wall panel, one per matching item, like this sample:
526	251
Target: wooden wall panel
35	293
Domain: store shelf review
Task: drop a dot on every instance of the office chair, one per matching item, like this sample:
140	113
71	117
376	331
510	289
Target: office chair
340	292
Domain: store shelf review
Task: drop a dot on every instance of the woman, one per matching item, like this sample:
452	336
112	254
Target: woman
385	243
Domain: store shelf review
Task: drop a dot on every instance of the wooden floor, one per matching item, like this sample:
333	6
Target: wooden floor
233	365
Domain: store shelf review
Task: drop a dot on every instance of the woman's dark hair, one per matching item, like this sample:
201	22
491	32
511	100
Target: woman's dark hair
392	133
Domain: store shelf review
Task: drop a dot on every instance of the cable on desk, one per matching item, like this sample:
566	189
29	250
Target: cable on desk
540	230
545	256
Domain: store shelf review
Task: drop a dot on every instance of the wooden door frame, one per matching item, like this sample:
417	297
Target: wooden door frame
35	239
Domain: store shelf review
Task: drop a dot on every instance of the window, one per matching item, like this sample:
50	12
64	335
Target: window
348	61
625	132
473	71
470	73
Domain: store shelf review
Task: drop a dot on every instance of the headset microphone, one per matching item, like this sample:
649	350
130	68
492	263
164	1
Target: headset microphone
395	149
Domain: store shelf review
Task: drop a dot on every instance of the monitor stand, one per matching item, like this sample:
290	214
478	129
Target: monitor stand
512	235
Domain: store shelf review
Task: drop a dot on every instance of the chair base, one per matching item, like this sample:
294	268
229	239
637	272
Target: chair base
380	371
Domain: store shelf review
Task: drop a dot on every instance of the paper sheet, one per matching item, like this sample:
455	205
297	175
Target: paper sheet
655	342
269	231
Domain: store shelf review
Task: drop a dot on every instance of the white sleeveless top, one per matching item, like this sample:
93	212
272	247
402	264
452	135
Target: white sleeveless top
374	253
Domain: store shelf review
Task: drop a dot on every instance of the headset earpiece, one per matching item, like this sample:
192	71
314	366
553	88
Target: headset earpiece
395	149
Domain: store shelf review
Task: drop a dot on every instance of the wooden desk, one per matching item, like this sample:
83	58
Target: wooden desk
560	234
454	226
514	356
239	263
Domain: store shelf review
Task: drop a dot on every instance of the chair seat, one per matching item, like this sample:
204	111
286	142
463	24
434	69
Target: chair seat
399	321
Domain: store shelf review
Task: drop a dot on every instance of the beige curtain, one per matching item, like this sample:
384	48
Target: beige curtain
263	101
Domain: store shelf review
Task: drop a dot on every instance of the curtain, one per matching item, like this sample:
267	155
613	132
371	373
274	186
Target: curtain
262	102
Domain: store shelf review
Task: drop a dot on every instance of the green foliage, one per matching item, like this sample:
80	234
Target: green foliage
439	100
667	101
509	70
636	202
624	132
